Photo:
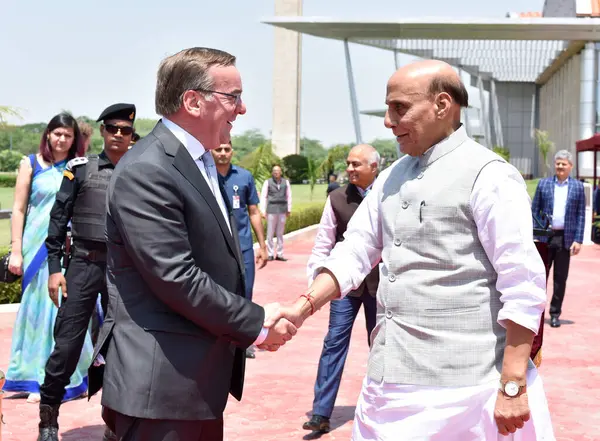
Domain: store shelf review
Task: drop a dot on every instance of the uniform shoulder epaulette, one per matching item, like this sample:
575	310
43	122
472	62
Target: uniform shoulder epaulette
75	162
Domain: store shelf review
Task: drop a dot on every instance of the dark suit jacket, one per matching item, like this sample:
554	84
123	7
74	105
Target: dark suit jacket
543	202
177	319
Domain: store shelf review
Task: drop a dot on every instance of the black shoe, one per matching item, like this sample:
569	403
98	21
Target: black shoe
270	258
317	423
282	259
48	422
250	352
554	322
109	435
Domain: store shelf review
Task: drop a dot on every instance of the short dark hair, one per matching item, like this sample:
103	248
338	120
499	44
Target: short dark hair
186	70
456	89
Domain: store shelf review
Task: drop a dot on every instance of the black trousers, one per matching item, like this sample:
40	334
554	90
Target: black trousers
129	428
560	258
85	279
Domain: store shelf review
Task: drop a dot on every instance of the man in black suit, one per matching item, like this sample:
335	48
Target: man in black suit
178	323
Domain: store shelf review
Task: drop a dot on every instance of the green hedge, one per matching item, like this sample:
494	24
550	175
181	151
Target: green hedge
8	180
9	292
301	219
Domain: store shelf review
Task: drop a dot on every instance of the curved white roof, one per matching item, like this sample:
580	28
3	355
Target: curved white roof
506	49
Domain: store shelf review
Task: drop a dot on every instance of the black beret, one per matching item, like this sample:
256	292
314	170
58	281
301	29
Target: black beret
122	111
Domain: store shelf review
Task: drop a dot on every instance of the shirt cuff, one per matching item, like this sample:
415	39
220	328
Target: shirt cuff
528	318
54	266
261	337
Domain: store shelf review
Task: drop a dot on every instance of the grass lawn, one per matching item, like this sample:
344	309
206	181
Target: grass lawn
6	198
6	201
301	199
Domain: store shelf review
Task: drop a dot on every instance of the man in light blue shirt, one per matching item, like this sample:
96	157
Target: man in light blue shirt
243	198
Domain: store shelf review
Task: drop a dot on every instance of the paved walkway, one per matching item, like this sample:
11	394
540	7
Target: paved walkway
278	391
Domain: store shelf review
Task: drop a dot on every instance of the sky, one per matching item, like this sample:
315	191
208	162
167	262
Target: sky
83	56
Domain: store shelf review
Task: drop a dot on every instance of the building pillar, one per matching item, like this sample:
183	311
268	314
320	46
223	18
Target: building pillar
484	120
353	99
499	136
587	110
285	135
587	123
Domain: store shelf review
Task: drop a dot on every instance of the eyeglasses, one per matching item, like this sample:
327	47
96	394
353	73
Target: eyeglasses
113	129
237	97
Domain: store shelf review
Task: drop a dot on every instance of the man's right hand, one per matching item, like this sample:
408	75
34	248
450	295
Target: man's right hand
55	281
279	333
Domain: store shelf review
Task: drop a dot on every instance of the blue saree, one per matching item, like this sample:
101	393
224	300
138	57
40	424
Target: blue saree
32	339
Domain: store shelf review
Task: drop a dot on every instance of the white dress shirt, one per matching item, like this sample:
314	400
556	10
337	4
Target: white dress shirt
561	191
206	165
204	161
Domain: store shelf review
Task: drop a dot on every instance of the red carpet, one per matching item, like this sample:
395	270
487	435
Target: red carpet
279	387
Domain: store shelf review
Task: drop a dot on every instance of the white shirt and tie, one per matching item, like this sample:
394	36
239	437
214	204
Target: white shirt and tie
206	164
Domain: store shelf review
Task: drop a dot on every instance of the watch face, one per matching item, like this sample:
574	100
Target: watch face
511	389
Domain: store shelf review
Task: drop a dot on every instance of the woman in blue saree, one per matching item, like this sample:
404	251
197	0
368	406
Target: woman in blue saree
38	181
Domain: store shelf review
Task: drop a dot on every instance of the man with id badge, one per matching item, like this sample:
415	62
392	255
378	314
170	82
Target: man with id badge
241	192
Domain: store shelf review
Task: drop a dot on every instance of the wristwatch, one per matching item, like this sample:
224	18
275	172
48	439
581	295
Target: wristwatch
511	388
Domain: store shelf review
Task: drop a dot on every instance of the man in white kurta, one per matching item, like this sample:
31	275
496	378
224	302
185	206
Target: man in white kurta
462	286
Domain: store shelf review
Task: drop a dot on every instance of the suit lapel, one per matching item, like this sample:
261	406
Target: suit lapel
185	165
551	200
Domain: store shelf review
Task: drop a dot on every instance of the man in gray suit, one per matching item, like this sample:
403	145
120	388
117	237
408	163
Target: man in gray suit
462	286
178	323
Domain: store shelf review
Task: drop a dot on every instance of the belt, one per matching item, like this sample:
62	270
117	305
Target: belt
91	255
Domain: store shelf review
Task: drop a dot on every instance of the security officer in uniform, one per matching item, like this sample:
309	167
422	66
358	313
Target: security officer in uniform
81	200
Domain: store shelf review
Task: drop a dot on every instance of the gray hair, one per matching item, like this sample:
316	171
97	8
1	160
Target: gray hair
375	158
186	70
564	154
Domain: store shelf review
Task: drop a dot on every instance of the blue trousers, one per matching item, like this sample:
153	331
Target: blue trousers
248	256
342	315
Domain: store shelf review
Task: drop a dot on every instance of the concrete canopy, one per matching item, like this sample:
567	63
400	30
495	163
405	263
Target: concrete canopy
506	49
445	29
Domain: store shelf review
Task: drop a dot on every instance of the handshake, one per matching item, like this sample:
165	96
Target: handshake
282	322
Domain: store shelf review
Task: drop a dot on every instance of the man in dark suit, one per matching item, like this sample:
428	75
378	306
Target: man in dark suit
333	183
363	164
178	323
561	199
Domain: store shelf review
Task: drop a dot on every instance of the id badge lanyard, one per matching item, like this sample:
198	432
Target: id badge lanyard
236	198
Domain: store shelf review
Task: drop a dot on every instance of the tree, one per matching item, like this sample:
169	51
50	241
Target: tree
312	148
313	174
335	161
6	111
387	148
9	160
260	162
247	142
502	151
296	168
542	139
